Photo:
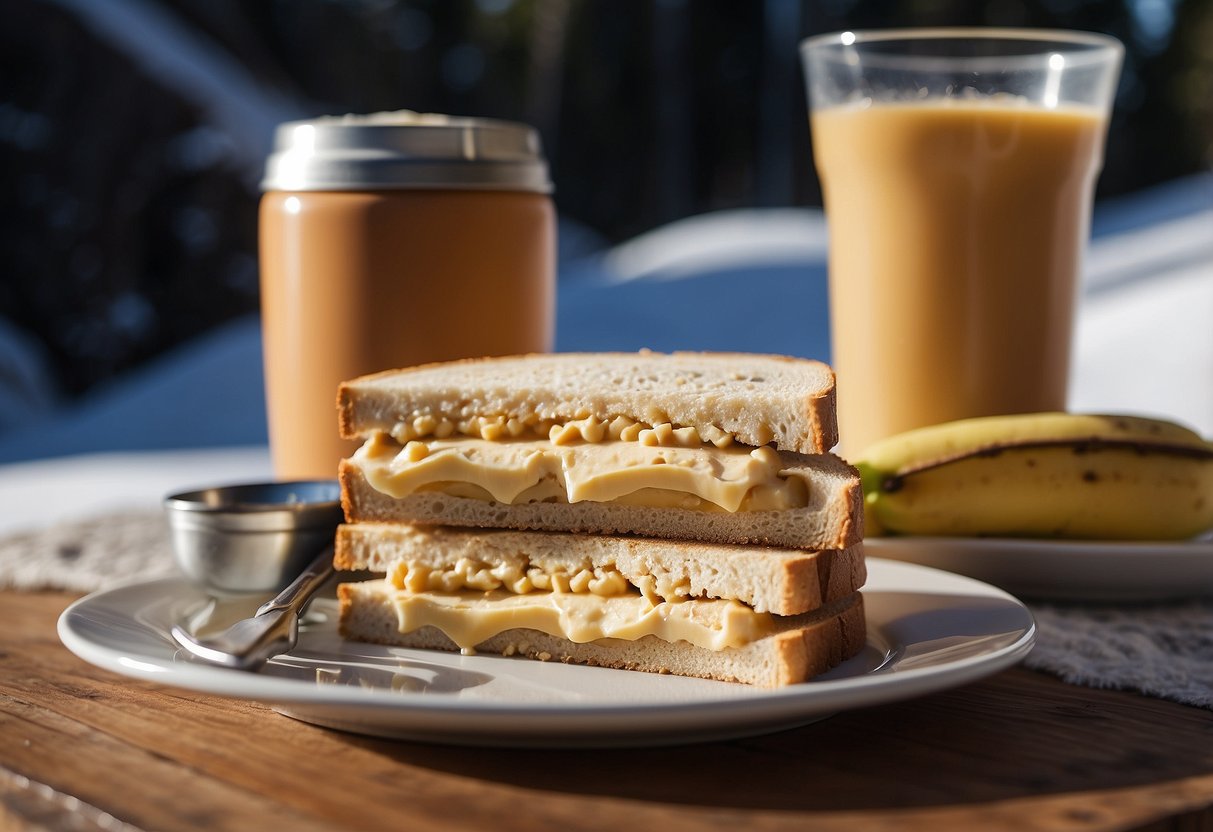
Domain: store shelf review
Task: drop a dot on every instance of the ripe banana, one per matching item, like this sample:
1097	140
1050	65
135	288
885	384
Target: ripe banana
1042	475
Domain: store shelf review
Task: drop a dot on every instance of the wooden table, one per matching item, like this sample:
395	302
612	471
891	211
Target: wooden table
81	748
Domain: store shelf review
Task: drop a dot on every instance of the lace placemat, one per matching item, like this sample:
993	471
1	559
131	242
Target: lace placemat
91	554
1161	650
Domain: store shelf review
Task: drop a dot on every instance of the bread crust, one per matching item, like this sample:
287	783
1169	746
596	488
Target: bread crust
760	399
775	580
832	520
802	647
802	565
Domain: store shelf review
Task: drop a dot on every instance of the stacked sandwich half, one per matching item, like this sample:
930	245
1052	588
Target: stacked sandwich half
667	513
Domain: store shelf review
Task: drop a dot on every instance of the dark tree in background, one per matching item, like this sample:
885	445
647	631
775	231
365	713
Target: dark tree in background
132	131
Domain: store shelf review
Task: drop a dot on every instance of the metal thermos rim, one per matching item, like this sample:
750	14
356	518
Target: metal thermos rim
405	150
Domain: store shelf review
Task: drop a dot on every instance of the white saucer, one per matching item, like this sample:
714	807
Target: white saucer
927	630
1065	570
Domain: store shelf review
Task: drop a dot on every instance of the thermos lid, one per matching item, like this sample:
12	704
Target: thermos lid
404	149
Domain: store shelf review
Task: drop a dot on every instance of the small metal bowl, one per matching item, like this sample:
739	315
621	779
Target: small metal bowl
241	539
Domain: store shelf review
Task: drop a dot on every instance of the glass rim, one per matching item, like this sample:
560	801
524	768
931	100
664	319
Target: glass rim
1094	48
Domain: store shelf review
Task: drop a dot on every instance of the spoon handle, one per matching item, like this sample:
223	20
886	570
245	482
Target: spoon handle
301	589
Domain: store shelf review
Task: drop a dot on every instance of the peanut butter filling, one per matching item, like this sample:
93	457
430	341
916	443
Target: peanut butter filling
660	466
469	617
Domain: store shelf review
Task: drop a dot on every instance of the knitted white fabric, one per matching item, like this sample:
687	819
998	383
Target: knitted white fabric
91	554
1163	650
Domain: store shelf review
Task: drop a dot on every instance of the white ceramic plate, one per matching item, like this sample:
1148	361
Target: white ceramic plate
1065	570
927	630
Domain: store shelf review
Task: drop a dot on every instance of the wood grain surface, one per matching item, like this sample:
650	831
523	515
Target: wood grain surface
1019	751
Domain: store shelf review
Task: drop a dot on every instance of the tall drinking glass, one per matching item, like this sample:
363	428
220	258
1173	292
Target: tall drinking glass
957	168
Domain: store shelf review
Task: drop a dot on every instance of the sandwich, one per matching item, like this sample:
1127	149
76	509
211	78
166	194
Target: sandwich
667	513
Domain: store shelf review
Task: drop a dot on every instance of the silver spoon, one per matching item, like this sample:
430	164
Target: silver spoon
243	539
273	629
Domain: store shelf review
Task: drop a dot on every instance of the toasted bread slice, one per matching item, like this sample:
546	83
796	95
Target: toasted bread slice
779	581
801	646
756	399
832	519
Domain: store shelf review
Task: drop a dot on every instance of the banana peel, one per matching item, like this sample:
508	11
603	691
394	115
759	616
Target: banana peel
1059	475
